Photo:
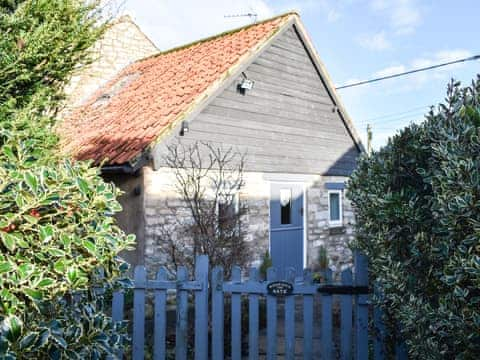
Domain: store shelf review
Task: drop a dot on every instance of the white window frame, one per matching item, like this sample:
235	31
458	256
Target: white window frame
336	223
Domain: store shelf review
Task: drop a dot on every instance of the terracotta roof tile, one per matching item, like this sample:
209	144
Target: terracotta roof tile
124	117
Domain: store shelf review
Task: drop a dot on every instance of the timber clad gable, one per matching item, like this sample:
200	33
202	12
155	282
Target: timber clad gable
287	123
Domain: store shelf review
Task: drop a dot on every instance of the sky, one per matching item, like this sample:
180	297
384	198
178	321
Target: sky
356	40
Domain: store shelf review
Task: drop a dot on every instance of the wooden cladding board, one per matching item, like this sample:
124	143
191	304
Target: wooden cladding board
287	123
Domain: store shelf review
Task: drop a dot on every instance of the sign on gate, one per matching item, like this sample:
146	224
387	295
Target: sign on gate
279	288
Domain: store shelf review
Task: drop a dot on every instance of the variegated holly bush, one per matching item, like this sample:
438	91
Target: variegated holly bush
59	243
417	201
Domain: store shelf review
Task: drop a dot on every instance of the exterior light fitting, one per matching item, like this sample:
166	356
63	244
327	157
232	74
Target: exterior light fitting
184	128
246	84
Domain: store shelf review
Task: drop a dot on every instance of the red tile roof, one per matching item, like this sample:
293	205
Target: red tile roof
149	96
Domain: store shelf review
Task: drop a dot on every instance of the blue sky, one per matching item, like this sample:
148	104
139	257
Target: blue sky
356	39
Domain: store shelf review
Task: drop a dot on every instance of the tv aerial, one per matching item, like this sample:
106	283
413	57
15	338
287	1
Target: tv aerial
251	15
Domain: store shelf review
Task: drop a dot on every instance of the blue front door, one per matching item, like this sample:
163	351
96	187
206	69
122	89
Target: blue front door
286	226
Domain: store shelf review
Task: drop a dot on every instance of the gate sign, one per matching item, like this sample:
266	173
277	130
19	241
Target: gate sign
279	288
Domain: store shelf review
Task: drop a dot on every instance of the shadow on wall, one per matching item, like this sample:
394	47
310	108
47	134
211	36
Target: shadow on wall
345	164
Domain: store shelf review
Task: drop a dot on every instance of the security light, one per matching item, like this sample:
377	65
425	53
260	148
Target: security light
246	84
184	128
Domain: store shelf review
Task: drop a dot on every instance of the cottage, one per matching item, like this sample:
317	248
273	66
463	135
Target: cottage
262	89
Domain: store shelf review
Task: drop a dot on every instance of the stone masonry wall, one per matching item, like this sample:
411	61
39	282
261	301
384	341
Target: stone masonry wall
319	233
160	198
122	44
164	208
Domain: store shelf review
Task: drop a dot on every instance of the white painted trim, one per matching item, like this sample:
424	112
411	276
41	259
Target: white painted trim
305	214
304	191
336	223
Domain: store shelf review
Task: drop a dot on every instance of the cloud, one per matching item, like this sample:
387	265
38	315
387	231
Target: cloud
377	41
404	15
333	15
418	80
170	23
441	57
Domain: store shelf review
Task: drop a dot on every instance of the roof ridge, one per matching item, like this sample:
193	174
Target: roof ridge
219	35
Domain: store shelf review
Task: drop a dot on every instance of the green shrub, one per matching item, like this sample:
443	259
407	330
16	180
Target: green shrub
417	203
266	263
58	239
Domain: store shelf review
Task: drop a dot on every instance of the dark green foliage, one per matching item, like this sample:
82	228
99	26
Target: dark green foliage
266	263
58	239
418	219
322	258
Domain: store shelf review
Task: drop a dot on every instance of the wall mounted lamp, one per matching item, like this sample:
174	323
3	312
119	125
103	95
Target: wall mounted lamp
184	128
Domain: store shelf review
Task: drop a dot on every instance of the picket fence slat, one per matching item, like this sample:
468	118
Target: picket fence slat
346	318
182	316
327	320
253	318
217	313
201	309
307	319
378	329
361	307
271	319
400	350
236	316
290	319
118	304
138	348
160	320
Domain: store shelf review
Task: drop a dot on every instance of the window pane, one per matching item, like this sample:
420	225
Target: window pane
285	206
334	207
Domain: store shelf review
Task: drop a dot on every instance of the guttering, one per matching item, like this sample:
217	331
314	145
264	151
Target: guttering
126	168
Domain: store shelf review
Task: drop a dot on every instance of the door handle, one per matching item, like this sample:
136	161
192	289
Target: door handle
301	211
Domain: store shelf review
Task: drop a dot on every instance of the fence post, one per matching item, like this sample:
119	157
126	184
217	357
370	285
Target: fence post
160	321
253	318
217	313
182	315
327	349
378	327
271	319
307	318
346	317
361	307
201	309
290	319
236	317
140	278
118	303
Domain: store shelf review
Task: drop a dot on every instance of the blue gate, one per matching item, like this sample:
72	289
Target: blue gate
230	297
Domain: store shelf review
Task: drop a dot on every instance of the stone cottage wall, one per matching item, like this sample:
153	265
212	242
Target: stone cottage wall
163	207
122	44
319	233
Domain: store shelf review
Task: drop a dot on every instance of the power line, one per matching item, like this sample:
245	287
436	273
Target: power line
397	113
393	119
471	58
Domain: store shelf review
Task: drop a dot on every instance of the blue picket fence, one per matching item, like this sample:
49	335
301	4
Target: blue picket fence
209	322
